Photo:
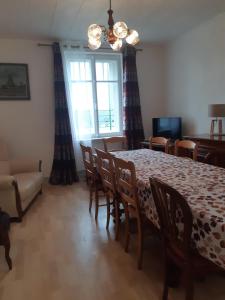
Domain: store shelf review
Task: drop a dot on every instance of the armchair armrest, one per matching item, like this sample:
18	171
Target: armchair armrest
9	196
6	182
25	165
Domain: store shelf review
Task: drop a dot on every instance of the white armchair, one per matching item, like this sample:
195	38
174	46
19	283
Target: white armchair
20	183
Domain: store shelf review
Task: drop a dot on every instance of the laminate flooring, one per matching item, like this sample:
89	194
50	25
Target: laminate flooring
59	252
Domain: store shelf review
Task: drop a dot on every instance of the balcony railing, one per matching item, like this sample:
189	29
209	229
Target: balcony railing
106	119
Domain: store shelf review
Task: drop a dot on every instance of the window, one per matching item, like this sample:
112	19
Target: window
95	89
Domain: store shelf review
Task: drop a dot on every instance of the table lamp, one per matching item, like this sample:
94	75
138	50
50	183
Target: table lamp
216	111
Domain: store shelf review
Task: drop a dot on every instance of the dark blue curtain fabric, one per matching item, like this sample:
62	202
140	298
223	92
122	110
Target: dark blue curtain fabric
64	166
133	126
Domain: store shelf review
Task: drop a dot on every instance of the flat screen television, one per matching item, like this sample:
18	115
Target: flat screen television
167	127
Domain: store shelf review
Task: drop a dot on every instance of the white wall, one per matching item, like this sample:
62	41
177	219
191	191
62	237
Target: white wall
28	126
152	80
196	74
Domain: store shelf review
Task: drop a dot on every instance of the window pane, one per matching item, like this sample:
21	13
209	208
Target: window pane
81	70
83	109
106	70
108	107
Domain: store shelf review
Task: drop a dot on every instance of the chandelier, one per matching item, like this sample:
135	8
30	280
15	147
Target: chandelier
114	35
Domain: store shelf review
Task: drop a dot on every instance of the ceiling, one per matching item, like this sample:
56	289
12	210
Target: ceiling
156	20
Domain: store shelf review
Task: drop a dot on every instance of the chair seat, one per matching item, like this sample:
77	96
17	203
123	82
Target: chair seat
28	183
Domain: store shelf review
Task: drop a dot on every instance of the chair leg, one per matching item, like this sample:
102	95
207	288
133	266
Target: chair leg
108	210
96	204
127	227
117	217
7	250
189	284
140	243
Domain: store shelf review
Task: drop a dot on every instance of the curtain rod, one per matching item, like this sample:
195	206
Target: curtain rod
76	46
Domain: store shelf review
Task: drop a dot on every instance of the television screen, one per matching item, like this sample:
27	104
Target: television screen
167	127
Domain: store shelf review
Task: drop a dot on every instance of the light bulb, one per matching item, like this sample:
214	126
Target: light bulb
94	44
117	45
133	37
94	31
120	30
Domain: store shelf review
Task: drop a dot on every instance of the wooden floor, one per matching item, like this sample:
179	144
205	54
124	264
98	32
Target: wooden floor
59	252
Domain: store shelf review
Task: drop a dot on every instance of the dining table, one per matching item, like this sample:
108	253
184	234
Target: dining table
202	186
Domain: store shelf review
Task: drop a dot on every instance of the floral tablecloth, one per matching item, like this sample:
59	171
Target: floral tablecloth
202	185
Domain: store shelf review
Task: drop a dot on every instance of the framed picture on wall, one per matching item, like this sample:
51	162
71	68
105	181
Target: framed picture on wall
14	82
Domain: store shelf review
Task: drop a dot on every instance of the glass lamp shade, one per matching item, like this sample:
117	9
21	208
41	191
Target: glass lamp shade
133	37
94	44
120	30
94	31
117	45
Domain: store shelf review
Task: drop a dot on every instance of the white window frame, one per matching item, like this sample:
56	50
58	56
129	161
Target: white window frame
93	57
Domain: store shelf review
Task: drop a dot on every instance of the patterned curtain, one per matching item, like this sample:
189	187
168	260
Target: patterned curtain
64	166
133	127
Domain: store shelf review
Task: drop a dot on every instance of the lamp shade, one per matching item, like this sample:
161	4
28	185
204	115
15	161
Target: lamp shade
217	110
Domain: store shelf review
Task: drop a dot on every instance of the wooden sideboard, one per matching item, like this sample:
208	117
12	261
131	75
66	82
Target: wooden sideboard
209	144
208	141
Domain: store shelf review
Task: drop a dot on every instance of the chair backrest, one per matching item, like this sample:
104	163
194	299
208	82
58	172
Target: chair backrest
106	170
120	142
159	141
126	181
186	148
174	213
88	161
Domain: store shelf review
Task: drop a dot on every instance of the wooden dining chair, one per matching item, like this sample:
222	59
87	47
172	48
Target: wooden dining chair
115	143
106	169
186	148
177	245
92	176
127	188
158	141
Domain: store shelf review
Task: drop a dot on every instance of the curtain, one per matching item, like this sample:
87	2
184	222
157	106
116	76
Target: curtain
133	126
78	73
64	166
